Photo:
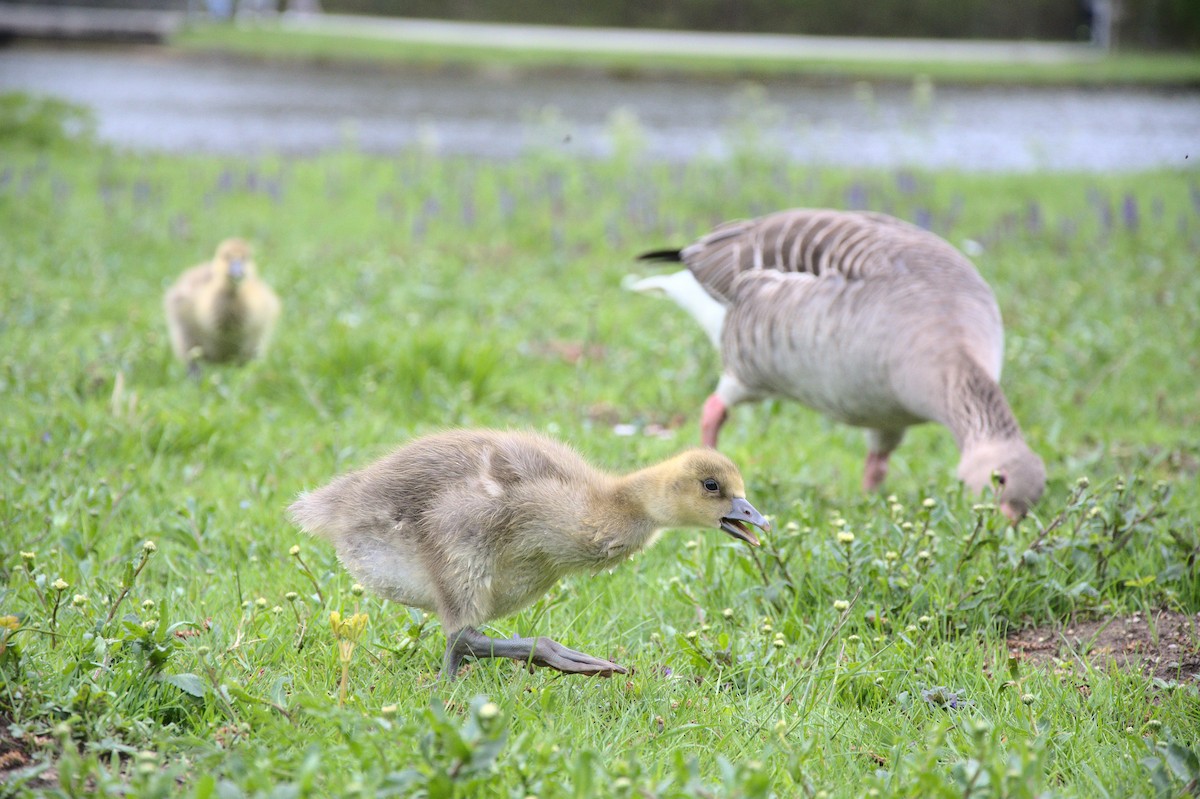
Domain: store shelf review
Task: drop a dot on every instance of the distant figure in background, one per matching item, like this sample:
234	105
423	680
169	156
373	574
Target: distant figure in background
220	310
1102	18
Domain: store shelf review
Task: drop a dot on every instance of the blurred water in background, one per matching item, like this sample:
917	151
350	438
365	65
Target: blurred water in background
153	99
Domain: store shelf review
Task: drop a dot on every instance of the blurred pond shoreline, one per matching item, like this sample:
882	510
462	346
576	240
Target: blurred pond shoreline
162	99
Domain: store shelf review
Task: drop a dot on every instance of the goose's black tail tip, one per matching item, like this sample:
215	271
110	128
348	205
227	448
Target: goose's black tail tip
661	255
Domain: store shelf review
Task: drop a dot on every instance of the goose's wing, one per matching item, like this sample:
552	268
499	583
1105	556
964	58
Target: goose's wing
815	241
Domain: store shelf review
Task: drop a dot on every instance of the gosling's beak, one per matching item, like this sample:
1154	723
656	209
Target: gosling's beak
737	522
237	269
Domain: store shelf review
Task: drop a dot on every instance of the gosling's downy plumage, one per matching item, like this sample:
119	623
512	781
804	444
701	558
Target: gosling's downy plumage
868	319
221	310
477	524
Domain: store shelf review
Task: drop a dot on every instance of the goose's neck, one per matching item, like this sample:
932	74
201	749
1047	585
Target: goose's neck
616	521
638	501
226	297
976	411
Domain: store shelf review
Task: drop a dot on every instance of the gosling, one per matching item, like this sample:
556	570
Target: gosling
477	524
220	310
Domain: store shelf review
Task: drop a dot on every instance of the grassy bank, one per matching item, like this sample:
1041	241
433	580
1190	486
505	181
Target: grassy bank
269	41
421	292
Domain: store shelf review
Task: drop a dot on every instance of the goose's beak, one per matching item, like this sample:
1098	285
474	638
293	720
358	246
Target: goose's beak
737	522
237	269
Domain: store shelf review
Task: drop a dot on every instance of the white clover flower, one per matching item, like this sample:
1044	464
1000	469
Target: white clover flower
60	585
845	537
841	605
295	550
929	502
149	547
488	711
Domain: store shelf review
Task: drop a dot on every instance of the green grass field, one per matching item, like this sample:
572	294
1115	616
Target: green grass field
266	40
162	637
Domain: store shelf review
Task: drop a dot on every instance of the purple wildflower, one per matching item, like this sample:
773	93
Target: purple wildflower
1129	212
856	196
1033	217
940	696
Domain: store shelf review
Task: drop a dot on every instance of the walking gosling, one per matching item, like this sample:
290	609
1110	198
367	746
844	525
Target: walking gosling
869	320
220	310
477	524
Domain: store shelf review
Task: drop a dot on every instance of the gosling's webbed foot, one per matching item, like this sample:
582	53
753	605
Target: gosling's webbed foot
469	642
551	654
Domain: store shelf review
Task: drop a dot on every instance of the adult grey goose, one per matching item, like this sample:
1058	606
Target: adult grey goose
868	319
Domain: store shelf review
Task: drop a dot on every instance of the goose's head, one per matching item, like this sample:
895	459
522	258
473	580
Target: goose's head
1016	472
702	488
234	259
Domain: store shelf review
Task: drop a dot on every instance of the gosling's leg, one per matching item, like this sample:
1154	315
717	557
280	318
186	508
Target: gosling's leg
469	642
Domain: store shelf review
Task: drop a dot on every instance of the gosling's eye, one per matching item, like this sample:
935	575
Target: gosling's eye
711	485
1000	479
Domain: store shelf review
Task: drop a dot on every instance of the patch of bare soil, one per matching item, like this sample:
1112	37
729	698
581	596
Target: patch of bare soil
16	762
1163	644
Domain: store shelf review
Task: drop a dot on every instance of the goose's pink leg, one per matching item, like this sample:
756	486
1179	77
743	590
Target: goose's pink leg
880	444
875	471
711	419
